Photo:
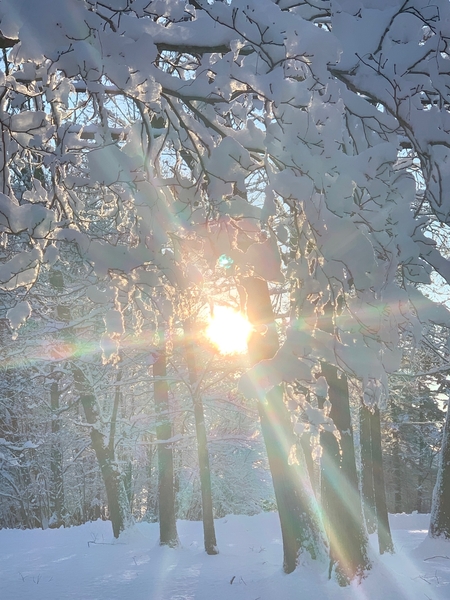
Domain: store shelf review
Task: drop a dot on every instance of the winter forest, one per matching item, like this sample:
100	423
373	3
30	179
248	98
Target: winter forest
224	268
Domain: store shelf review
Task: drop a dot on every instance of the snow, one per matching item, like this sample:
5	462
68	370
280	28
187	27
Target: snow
21	270
86	563
18	315
33	218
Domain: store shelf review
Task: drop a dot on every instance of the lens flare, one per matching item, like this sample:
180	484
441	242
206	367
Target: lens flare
228	330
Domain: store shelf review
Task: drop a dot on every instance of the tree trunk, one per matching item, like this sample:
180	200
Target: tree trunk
301	527
151	504
57	493
367	486
202	446
305	447
420	469
397	473
166	498
440	510
119	510
341	499
385	543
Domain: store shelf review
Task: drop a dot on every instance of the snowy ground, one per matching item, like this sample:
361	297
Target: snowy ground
83	563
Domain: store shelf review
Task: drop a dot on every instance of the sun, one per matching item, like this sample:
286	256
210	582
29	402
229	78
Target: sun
228	330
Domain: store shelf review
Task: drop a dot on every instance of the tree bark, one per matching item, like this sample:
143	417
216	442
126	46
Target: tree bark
385	543
397	473
396	462
301	527
305	446
166	497
202	445
420	469
341	499
57	494
119	510
367	486
440	510
115	410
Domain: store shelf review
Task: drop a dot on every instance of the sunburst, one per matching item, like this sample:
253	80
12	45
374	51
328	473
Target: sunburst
228	330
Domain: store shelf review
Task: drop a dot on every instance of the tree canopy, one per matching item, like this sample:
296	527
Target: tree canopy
258	130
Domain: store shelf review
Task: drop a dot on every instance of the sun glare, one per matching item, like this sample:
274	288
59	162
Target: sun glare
228	330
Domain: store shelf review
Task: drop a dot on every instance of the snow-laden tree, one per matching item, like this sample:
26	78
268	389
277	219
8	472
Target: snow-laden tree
160	116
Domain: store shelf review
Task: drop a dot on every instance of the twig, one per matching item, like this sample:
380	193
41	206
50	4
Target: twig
105	543
423	578
437	556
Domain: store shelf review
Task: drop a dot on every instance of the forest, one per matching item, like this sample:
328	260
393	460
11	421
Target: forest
224	260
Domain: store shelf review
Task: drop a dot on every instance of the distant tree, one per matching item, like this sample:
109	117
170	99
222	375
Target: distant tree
166	493
440	512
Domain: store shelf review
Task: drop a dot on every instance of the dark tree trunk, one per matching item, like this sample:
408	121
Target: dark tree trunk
367	486
385	543
57	493
166	498
119	512
150	501
300	524
119	509
440	511
341	499
396	461
202	446
305	446
338	395
397	473
115	410
421	468
127	471
115	491
330	496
